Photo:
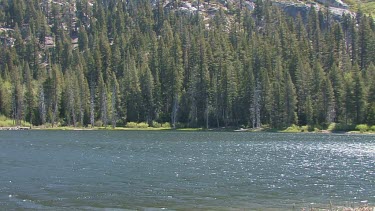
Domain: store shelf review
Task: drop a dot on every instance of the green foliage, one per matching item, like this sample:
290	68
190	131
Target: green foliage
136	125
369	8
152	67
3	118
98	123
6	122
332	127
343	127
362	128
317	130
372	128
305	129
165	125
293	129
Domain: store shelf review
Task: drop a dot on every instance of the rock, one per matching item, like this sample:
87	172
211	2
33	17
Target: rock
292	8
334	3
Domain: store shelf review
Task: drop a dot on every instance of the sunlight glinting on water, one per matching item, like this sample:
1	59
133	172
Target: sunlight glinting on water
206	170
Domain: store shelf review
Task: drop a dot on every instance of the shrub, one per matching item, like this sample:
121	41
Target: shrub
165	125
317	130
293	129
137	125
131	125
98	123
343	127
372	128
180	125
156	124
331	126
305	128
3	118
142	125
6	123
362	128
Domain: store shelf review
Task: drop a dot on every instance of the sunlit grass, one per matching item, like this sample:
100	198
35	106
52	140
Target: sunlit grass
367	6
7	122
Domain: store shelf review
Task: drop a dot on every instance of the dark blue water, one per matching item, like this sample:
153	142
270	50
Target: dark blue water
183	170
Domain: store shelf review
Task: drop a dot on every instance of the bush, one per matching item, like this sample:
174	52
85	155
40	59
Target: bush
317	130
131	125
293	129
7	122
165	125
156	124
362	128
3	118
372	128
98	123
343	127
305	128
180	125
142	125
137	125
331	126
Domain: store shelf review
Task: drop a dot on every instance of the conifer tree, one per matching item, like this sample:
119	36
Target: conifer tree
359	94
29	95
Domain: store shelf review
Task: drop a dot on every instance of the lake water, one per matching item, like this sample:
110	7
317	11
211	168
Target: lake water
132	170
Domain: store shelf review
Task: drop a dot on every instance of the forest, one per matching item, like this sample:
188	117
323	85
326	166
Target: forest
107	63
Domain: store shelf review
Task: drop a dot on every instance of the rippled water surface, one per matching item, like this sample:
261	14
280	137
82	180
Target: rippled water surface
183	170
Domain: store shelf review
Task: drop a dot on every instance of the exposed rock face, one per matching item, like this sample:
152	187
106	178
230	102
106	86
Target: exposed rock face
334	3
293	9
336	7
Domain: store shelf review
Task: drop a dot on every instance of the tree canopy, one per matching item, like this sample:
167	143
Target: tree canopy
111	62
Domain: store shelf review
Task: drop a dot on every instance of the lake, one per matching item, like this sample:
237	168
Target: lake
168	170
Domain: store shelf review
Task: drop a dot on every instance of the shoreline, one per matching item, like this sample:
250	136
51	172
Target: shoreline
15	128
18	128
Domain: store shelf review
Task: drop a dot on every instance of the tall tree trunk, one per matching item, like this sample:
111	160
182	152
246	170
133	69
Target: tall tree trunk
113	104
174	111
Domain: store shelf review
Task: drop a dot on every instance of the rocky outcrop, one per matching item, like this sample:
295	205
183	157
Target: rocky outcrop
292	8
334	3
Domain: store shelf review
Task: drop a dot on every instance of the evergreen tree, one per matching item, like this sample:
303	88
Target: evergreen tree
359	97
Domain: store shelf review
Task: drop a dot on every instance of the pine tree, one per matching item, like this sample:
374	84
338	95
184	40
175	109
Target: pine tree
42	106
328	101
5	97
29	95
359	94
290	100
364	44
337	82
115	100
103	100
370	118
146	82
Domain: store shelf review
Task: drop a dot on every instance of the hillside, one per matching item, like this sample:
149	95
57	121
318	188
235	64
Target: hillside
367	6
187	63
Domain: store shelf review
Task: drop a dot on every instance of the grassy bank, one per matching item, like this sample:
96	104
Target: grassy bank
7	122
156	126
331	128
116	129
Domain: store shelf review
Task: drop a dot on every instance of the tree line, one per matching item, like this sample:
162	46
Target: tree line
110	62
